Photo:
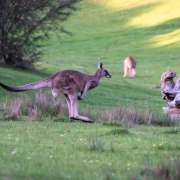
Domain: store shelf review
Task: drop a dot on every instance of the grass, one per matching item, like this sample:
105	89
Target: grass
55	147
119	29
46	150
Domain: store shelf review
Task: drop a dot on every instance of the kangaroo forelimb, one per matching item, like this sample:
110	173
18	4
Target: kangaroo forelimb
87	86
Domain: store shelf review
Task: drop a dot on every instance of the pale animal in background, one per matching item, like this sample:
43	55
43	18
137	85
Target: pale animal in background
69	83
130	66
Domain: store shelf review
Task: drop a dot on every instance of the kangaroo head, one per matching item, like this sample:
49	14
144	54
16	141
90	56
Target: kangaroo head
104	72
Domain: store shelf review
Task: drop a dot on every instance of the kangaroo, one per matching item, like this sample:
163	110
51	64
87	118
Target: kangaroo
130	65
69	83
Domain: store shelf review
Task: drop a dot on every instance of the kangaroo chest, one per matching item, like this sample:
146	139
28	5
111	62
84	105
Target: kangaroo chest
93	85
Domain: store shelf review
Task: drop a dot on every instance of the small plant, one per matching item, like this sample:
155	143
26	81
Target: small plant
118	132
172	130
95	144
111	123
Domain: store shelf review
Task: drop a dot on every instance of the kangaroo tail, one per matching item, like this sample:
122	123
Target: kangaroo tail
45	83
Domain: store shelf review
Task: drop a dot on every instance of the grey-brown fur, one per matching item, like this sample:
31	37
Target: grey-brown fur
69	83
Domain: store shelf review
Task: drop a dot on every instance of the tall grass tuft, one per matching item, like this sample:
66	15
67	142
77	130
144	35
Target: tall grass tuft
131	116
95	144
45	105
120	115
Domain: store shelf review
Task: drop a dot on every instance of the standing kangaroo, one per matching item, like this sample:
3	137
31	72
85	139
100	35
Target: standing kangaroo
69	83
130	64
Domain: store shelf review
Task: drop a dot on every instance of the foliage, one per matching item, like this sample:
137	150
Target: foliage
24	23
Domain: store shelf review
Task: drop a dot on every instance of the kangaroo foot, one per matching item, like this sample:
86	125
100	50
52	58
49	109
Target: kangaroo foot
82	118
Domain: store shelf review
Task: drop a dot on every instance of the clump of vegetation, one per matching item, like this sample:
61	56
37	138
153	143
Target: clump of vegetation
61	119
131	116
24	23
121	114
118	131
95	144
111	123
43	105
169	147
166	172
172	131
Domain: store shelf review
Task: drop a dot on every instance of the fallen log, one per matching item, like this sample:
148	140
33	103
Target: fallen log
171	93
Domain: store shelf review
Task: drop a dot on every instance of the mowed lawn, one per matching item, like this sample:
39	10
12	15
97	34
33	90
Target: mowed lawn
106	31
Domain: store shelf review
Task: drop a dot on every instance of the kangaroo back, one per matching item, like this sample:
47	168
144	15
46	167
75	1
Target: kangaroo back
130	62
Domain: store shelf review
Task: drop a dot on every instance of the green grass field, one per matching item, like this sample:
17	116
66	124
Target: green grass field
112	29
45	150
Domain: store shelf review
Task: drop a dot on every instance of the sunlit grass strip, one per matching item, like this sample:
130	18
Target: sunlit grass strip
167	39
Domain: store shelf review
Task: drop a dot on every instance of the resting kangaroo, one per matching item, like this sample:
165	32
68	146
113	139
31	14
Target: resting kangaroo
130	64
69	83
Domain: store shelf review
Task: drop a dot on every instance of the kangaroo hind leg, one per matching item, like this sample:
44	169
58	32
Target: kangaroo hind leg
133	72
125	71
74	111
130	72
69	105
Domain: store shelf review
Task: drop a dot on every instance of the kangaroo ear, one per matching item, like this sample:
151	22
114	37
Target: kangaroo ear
100	65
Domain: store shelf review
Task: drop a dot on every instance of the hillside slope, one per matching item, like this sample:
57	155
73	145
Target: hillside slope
109	31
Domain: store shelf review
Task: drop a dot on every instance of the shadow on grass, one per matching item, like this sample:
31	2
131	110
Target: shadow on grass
168	148
118	132
111	123
172	131
62	119
166	171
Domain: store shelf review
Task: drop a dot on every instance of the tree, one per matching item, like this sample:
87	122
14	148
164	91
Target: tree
23	23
